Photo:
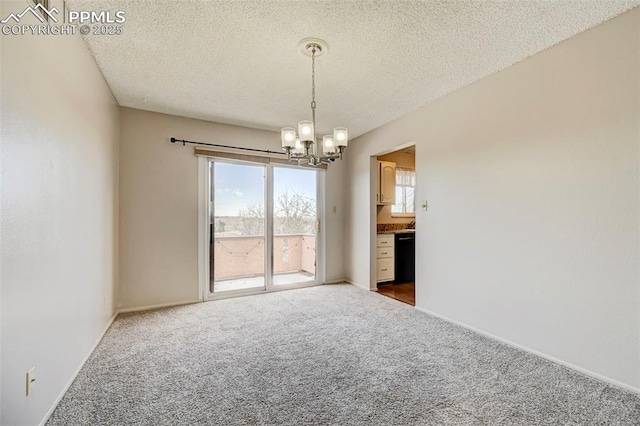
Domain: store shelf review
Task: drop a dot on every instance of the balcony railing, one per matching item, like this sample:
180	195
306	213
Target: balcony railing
243	256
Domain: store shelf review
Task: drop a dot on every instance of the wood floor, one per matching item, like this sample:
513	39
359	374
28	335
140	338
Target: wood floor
405	292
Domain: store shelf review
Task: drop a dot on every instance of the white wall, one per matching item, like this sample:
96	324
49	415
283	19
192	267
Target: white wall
532	178
59	215
159	200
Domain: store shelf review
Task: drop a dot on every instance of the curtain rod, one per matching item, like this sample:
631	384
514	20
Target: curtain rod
184	142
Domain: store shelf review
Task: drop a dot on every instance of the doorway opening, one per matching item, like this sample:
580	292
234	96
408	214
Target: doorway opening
395	224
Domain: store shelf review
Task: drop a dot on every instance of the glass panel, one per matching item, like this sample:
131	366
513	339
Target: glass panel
397	207
294	225
237	227
410	203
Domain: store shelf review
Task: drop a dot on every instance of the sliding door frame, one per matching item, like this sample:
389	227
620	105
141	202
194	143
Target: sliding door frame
204	210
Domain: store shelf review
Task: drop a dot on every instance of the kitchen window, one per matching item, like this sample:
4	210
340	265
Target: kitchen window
405	191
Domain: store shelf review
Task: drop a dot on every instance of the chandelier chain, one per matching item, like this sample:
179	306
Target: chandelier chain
313	88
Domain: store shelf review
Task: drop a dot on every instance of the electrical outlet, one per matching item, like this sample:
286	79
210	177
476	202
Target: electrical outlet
31	380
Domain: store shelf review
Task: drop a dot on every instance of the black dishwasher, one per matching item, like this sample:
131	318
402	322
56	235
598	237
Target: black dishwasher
405	257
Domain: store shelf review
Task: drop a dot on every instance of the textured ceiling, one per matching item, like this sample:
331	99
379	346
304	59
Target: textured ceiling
237	61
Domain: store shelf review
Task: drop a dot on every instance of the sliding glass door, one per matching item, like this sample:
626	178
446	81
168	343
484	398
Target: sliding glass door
237	227
263	227
295	212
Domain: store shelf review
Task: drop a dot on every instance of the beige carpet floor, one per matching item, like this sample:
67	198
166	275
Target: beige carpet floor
327	355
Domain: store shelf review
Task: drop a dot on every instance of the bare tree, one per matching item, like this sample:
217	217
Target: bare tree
220	225
252	219
296	213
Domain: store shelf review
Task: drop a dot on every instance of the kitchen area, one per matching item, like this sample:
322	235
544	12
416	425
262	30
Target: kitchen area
395	213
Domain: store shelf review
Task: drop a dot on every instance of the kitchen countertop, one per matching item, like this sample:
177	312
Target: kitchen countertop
398	231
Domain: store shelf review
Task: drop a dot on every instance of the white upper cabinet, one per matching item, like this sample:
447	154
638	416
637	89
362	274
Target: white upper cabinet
386	193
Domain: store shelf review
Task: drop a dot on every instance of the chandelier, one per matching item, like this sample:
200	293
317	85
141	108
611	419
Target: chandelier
303	147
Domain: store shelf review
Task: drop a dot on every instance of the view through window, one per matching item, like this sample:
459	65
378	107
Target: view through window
405	190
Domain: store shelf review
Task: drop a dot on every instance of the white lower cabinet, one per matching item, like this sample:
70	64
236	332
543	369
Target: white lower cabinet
385	258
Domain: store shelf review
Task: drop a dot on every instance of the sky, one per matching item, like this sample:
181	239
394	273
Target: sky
237	186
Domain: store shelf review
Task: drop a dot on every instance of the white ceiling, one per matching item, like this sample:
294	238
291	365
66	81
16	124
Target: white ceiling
237	62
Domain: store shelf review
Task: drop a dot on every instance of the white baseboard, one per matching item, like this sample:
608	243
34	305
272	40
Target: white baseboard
584	371
357	285
75	373
338	281
162	305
